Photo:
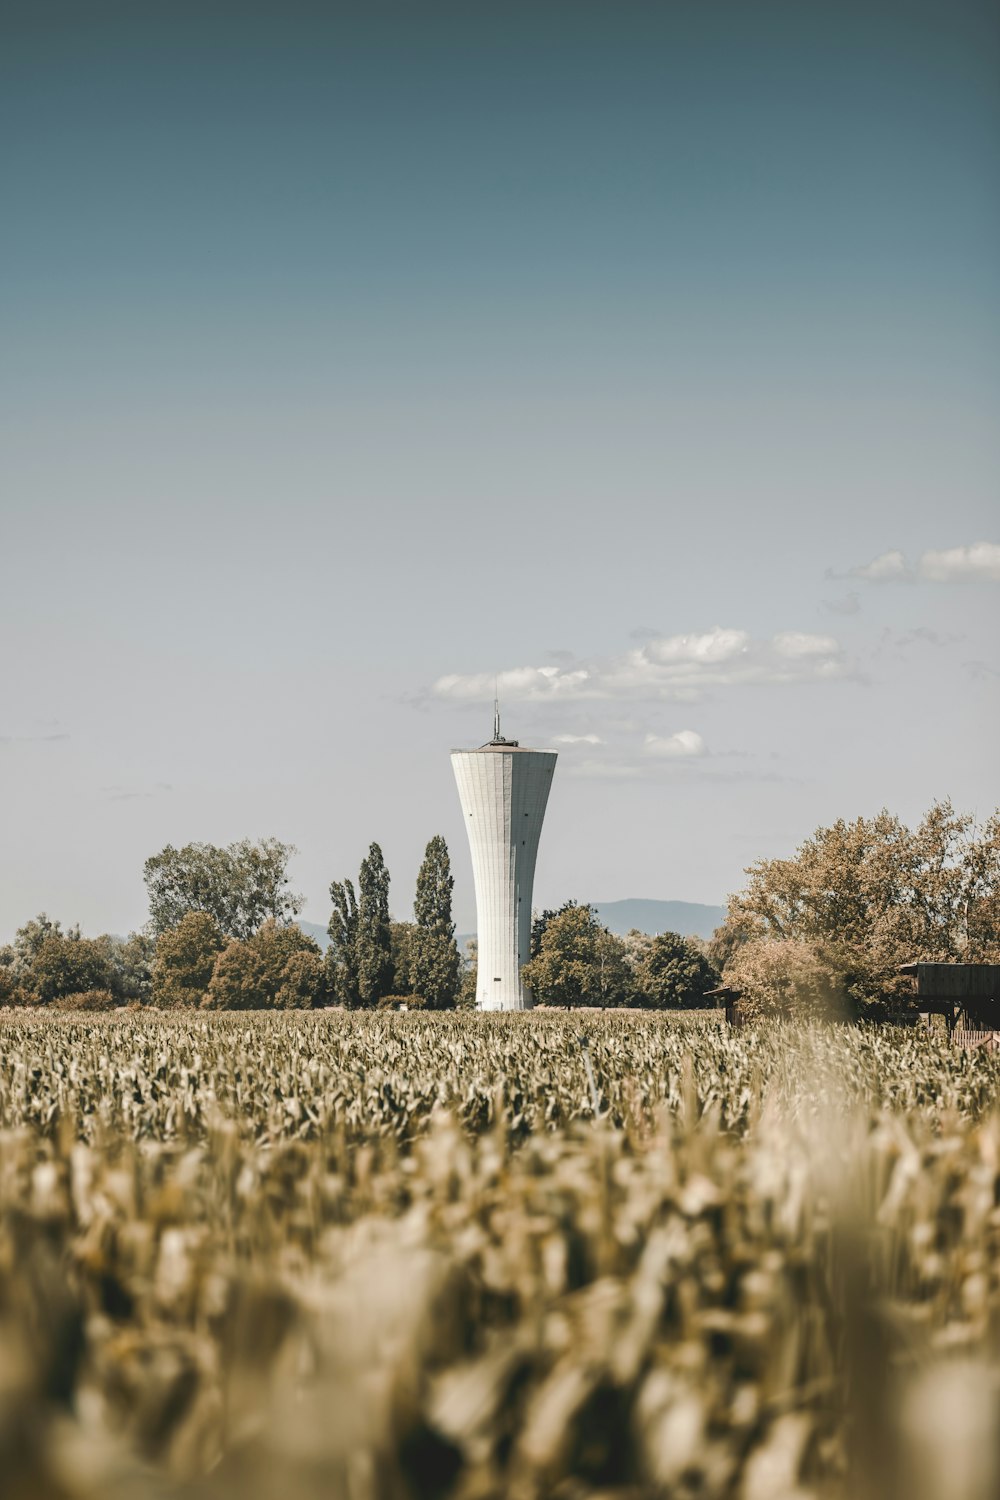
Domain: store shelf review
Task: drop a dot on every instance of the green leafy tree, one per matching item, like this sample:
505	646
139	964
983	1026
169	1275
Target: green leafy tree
435	883
980	898
728	938
401	1002
278	968
240	886
88	1000
673	973
342	954
360	956
239	979
401	948
185	959
636	946
578	963
11	991
303	982
29	939
541	919
16	959
435	969
434	964
373	944
468	976
68	965
612	982
39	967
132	965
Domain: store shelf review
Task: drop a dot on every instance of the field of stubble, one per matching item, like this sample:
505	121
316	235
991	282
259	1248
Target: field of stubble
361	1256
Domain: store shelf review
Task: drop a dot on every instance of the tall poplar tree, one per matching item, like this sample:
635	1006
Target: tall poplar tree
435	883
435	965
341	956
373	944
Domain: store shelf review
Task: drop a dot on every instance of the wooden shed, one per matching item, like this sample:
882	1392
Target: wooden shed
967	995
730	999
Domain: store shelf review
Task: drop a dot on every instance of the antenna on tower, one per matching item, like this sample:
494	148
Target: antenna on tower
498	740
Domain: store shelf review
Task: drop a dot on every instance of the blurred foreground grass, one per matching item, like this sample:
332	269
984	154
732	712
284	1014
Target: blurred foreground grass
355	1256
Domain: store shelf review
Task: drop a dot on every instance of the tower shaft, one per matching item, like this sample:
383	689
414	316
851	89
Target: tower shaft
503	790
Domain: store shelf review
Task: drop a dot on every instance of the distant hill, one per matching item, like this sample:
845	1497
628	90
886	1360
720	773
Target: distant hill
314	930
689	918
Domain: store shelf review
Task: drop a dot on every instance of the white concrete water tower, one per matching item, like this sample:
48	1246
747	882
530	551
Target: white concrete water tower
503	789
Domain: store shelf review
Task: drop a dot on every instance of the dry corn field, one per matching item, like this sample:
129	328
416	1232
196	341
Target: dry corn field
339	1255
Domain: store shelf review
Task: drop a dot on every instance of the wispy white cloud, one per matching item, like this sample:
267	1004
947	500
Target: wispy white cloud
888	567
979	562
713	647
796	643
685	743
680	757
681	667
577	739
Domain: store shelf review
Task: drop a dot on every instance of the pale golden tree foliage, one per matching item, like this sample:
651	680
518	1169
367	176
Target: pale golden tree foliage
873	894
789	977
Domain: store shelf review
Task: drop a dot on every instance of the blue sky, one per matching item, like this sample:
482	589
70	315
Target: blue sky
354	354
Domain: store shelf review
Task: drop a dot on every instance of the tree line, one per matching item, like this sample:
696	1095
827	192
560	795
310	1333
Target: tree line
222	935
575	960
822	932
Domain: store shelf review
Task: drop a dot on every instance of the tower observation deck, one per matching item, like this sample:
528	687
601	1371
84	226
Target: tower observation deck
503	789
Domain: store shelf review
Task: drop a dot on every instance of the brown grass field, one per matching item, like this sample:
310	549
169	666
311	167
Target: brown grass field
357	1256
